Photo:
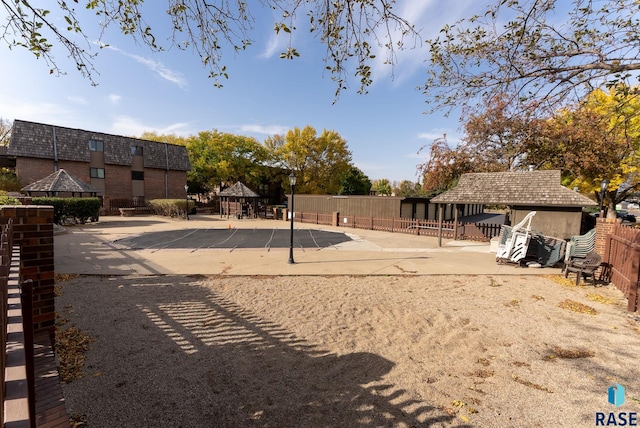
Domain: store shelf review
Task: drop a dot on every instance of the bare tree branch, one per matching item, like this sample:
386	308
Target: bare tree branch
348	29
529	50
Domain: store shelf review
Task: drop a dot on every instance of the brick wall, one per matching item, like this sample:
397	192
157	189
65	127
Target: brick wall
604	226
79	169
33	232
117	181
30	170
177	180
154	184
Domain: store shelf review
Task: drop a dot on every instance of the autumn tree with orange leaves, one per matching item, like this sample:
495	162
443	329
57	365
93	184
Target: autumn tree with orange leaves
597	139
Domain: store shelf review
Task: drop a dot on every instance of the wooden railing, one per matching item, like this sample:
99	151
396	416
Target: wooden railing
622	258
462	231
138	205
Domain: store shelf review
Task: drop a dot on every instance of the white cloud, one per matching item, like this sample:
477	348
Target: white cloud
129	126
42	112
430	136
155	66
264	130
452	137
274	46
114	98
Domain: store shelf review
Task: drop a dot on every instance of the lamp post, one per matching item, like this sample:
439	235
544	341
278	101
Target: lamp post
603	188
292	182
186	193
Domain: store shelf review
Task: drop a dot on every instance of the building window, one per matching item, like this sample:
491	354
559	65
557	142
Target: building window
97	172
96	146
136	150
137	175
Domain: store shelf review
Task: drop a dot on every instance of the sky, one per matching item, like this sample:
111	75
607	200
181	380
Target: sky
169	92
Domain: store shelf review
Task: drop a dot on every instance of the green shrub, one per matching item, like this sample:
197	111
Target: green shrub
77	210
170	207
9	180
8	200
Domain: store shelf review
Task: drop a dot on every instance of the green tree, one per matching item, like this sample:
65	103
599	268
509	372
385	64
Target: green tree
540	53
382	187
164	138
319	161
349	29
409	189
355	182
221	159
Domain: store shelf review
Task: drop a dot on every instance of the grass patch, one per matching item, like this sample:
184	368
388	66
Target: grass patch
577	307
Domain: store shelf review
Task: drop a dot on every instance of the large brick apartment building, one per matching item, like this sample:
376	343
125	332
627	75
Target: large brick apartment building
119	167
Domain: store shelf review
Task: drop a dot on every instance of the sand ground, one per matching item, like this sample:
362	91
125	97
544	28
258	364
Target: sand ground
348	351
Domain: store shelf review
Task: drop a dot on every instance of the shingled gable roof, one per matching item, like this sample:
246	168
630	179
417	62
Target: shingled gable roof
36	140
239	190
60	181
517	188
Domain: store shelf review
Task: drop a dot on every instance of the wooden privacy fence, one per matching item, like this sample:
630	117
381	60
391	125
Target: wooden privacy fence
463	231
622	257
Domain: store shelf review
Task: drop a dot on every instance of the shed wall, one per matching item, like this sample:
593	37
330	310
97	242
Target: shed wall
558	223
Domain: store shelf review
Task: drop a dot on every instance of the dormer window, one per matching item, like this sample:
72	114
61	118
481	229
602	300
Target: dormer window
136	150
96	146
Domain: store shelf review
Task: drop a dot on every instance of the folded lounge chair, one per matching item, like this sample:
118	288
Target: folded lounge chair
516	241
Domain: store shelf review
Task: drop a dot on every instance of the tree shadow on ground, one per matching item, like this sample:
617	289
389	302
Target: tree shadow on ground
171	352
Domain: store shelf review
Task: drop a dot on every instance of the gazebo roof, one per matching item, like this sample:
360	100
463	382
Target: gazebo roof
523	188
239	190
60	181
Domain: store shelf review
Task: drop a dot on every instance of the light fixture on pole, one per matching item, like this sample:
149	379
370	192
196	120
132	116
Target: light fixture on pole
186	191
292	183
603	188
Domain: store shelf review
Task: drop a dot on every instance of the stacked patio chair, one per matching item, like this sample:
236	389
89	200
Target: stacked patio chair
579	246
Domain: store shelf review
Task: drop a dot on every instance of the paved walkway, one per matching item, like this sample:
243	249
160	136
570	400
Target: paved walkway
97	249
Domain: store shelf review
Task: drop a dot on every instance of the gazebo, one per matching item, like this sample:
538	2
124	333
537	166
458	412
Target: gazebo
238	200
61	181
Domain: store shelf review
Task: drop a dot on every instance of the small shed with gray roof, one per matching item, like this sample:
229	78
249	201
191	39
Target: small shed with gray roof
61	183
558	209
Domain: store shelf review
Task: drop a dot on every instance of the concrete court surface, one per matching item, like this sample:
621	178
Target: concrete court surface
94	249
